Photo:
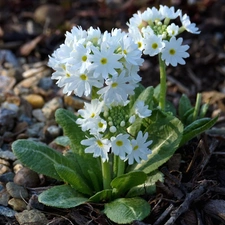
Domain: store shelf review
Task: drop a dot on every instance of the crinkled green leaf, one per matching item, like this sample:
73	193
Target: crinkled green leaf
165	130
149	187
39	157
74	179
126	210
83	162
102	196
62	196
126	181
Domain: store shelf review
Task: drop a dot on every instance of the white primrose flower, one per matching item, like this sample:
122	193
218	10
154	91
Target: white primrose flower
187	25
98	146
82	82
140	150
136	20
169	12
174	52
98	125
77	35
94	36
153	44
117	89
80	58
89	114
151	15
142	110
137	37
172	29
130	51
121	145
105	61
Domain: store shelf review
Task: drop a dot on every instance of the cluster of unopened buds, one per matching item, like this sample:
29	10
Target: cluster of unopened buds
105	67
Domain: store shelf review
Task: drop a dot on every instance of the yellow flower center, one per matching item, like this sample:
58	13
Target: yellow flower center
100	124
119	143
104	61
84	58
92	115
124	51
135	148
67	75
172	51
83	76
114	85
154	45
99	143
139	44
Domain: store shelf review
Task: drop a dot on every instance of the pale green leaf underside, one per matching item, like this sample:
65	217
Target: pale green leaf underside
62	196
39	157
126	210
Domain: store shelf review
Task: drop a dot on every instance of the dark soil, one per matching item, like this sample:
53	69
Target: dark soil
194	188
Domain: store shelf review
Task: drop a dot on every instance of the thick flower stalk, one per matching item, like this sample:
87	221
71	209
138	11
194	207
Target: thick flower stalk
156	33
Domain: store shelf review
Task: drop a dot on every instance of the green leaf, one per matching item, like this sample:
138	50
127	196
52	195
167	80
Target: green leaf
63	141
149	187
102	196
126	181
62	196
39	157
83	162
74	179
184	106
67	120
126	210
165	130
196	128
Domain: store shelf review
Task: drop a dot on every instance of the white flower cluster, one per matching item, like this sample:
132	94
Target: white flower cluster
109	62
154	33
108	131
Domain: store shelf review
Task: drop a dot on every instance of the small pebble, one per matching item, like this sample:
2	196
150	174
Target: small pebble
38	114
35	100
7	177
31	217
53	131
27	178
5	211
51	106
4	169
4	197
17	204
8	155
16	191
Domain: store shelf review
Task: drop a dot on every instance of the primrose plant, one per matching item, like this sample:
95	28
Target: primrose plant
125	132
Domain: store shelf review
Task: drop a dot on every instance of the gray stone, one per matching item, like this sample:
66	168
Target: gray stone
8	155
5	211
31	217
4	197
51	106
38	114
7	177
35	129
16	191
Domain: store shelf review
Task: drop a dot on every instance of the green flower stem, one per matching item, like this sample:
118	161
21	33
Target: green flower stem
106	175
162	97
121	167
115	165
197	106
